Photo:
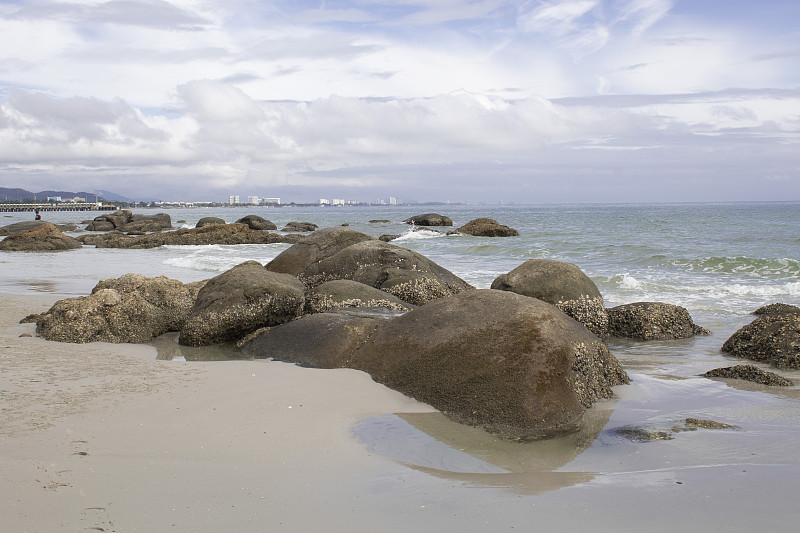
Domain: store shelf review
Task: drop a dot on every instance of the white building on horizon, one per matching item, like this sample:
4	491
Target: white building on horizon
233	199
253	200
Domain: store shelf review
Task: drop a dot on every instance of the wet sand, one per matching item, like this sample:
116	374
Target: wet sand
104	437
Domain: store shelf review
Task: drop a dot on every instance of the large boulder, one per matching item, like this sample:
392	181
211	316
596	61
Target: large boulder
131	308
320	244
257	223
240	301
486	227
649	321
514	365
773	337
346	293
561	284
110	221
429	219
43	238
406	274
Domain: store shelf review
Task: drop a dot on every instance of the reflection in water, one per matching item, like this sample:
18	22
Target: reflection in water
432	443
169	349
39	285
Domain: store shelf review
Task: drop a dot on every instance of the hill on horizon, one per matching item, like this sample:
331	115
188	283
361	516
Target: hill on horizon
18	195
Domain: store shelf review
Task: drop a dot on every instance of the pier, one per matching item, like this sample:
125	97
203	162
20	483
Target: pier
88	206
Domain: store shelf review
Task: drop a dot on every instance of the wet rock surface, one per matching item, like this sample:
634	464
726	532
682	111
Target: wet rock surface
773	338
346	293
43	238
749	373
131	308
486	227
429	219
240	301
648	321
513	365
256	222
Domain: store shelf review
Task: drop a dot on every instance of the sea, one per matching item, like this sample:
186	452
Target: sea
721	261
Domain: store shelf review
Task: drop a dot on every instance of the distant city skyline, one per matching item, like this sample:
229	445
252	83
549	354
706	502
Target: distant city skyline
544	101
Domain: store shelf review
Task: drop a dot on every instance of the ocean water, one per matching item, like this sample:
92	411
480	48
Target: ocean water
720	261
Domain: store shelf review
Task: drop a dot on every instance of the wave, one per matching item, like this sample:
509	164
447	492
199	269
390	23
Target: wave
741	265
419	234
220	258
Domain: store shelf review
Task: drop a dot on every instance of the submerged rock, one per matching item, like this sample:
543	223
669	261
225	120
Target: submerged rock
43	238
513	365
648	321
240	301
429	219
561	284
774	338
131	308
749	373
486	227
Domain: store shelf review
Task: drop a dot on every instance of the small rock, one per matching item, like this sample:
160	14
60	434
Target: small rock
749	373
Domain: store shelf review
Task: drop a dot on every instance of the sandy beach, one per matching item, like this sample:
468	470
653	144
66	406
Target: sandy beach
105	437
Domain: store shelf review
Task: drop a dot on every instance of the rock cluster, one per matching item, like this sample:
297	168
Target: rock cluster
126	222
41	238
203	235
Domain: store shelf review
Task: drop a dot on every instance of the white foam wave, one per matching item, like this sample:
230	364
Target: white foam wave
418	234
220	258
629	282
738	289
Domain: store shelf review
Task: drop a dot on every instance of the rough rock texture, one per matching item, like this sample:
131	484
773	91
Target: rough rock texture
240	301
749	373
486	227
772	338
44	238
256	222
127	222
208	234
648	321
345	293
13	229
131	308
561	284
406	274
302	227
777	309
514	365
429	219
209	221
320	244
388	238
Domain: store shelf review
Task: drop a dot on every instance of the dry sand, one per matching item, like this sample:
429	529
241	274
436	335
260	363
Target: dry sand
104	437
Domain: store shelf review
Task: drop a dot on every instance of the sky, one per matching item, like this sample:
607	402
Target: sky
526	101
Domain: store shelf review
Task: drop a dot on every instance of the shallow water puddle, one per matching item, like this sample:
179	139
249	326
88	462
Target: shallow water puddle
169	350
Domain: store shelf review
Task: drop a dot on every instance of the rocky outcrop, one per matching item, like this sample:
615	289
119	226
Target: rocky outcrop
511	364
649	321
301	227
773	337
240	301
13	229
208	234
749	373
126	222
777	309
561	284
429	219
43	238
345	293
257	223
340	253
131	308
209	221
486	227
320	244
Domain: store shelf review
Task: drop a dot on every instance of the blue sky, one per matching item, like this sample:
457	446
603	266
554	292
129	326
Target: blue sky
489	100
